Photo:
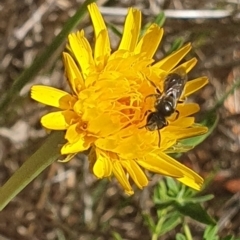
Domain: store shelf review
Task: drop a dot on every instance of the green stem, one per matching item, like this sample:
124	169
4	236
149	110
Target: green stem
225	96
159	224
42	59
32	167
187	231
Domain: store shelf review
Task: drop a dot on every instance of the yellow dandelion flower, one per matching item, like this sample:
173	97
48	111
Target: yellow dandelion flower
110	99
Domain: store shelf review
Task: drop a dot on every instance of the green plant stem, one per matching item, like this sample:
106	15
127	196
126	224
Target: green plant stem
225	96
42	59
32	167
159	225
187	231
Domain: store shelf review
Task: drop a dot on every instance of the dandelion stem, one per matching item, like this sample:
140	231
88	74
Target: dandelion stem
225	96
31	168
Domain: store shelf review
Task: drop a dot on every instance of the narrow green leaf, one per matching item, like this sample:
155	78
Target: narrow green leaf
160	19
220	102
116	236
42	59
172	185
48	153
160	205
149	222
210	233
160	191
201	199
180	236
170	223
114	30
196	212
178	43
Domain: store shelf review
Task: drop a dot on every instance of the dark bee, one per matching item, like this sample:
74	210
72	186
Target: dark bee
166	102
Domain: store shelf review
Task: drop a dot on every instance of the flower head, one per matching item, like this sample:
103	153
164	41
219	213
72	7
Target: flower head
109	101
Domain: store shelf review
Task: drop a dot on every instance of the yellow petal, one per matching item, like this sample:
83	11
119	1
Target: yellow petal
180	123
82	52
135	173
158	164
121	177
185	175
102	42
73	73
150	41
104	126
194	85
102	166
59	120
52	96
189	177
191	132
188	109
131	30
73	133
169	62
75	147
188	66
194	182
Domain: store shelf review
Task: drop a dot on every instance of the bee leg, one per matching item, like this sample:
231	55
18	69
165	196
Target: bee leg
183	100
155	86
148	111
152	83
152	95
177	115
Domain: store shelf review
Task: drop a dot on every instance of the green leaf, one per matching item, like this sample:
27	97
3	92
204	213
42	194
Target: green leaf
172	185
114	30
160	19
196	212
160	205
170	223
178	43
149	222
180	236
210	233
201	199
220	102
160	191
48	153
43	58
116	236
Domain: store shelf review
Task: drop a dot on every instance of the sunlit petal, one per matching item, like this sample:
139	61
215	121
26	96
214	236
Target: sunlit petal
154	36
131	30
173	59
194	85
102	48
60	120
52	96
73	74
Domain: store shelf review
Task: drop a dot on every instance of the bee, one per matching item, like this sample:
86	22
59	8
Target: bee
166	102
